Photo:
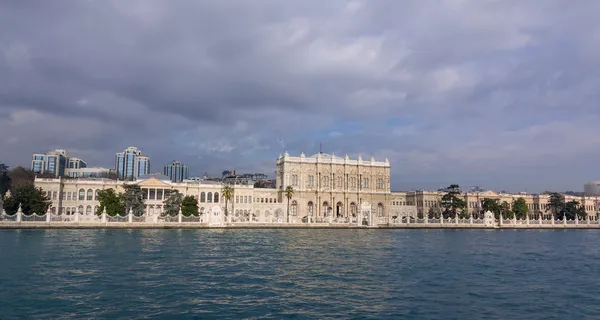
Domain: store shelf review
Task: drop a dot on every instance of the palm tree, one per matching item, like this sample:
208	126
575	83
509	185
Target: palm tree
289	193
227	193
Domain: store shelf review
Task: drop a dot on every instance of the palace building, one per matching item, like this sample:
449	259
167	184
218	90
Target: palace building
326	188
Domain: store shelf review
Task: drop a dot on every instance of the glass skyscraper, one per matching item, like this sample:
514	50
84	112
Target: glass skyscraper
53	162
131	163
176	171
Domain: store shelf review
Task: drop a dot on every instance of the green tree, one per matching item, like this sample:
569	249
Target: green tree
556	204
289	193
134	199
520	208
433	212
573	210
227	194
4	179
451	201
172	203
189	206
31	199
19	177
505	210
113	202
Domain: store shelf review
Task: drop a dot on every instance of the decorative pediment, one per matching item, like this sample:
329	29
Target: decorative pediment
489	193
153	182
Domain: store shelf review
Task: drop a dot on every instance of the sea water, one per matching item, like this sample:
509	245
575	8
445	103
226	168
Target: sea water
300	274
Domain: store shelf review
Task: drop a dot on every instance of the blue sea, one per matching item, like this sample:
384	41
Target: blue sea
300	274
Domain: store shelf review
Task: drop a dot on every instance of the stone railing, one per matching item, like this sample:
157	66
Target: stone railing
216	218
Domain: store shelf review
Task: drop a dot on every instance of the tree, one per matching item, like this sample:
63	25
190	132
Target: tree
227	194
556	204
289	193
134	199
520	208
113	202
492	205
451	201
505	210
4	179
172	203
573	210
433	212
31	199
19	177
189	206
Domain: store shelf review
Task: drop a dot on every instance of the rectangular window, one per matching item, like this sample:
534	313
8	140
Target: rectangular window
68	196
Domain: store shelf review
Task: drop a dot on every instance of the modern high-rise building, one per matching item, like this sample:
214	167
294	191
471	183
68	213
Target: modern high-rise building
53	162
131	163
176	171
76	163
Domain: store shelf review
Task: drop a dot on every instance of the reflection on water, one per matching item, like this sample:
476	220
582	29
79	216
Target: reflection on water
308	274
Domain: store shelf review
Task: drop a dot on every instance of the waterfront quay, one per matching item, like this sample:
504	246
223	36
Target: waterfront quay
215	219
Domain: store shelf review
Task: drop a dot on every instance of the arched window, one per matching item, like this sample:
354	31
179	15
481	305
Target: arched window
325	209
216	197
353	209
339	209
294	208
81	194
96	210
88	210
340	181
310	208
237	213
97	194
209	197
380	210
80	209
202	197
310	181
90	194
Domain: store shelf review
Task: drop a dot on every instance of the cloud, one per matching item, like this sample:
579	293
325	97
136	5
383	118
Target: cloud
493	93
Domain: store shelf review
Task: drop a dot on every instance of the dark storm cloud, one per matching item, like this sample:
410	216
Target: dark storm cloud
450	91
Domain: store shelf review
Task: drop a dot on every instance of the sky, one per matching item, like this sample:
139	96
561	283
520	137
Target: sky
499	94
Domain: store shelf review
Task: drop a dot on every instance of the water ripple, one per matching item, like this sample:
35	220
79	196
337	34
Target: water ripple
299	274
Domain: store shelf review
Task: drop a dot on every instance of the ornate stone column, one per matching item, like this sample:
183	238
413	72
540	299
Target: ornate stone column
103	219
48	215
19	214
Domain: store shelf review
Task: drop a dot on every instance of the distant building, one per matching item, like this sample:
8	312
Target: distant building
131	163
76	163
592	189
53	162
176	171
85	172
245	179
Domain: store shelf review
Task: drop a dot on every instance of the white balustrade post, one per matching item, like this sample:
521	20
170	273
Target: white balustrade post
77	215
104	215
441	218
564	220
587	219
19	213
471	218
426	218
130	215
48	215
527	219
514	219
552	220
576	219
456	218
540	220
179	215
